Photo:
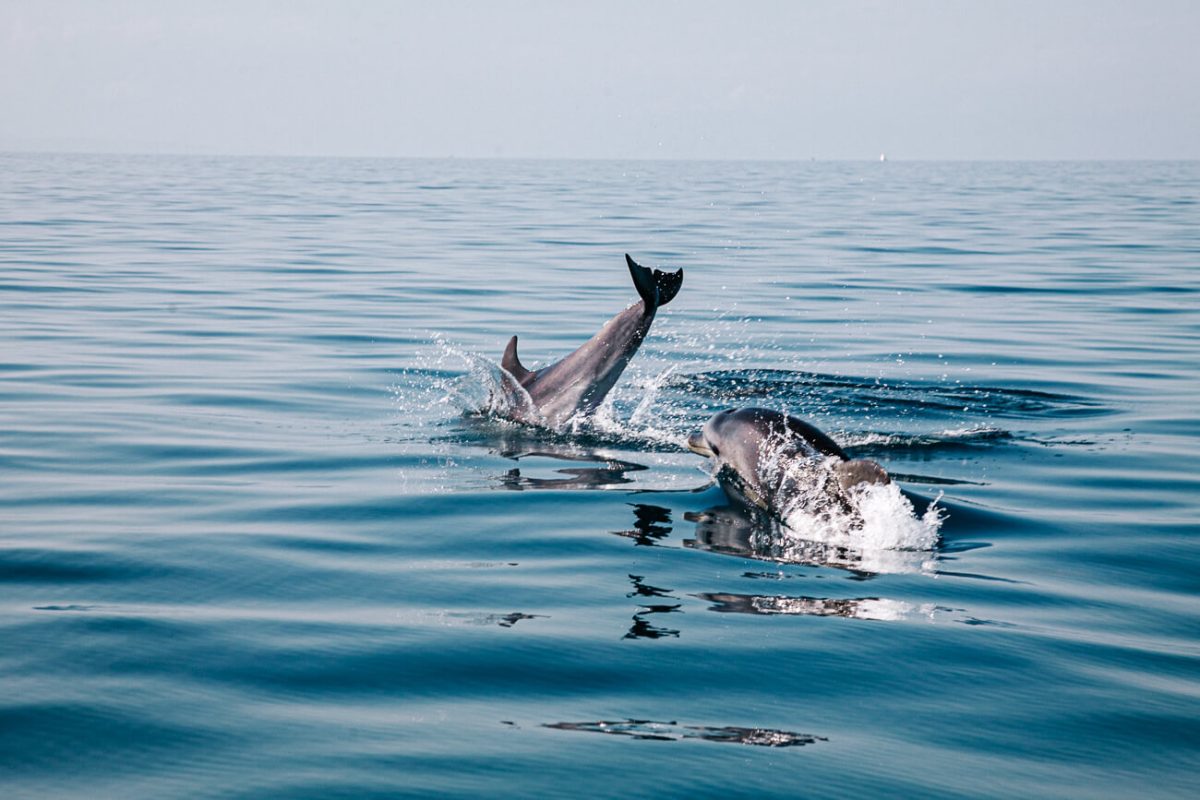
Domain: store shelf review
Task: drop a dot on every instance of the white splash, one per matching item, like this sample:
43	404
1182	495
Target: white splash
486	387
877	531
642	424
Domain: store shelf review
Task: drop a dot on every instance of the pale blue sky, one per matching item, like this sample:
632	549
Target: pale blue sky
918	80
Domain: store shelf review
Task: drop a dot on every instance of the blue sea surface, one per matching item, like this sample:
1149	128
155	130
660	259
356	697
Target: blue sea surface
257	539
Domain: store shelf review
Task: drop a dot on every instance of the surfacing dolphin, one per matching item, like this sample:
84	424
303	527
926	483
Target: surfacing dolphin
579	383
781	464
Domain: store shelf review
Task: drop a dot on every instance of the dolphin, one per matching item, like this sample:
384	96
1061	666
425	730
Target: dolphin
778	463
579	383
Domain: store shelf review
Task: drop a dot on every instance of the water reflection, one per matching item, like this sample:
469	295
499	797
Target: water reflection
537	453
611	473
642	628
643	589
482	618
650	526
745	532
872	608
672	732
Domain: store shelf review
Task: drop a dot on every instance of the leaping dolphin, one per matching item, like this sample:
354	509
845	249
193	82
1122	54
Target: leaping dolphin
780	464
580	382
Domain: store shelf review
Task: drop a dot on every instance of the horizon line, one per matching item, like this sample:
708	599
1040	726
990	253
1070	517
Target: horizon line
7	151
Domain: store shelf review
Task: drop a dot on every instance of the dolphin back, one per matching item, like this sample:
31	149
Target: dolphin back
656	287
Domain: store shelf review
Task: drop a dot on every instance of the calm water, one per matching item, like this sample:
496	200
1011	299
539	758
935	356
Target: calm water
254	542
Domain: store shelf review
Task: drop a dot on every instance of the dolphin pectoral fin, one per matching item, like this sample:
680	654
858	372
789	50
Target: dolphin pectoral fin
657	288
512	364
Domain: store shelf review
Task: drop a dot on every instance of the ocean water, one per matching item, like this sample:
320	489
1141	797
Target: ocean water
257	538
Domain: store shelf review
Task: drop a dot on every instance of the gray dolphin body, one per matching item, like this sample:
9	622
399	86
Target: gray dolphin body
580	382
775	461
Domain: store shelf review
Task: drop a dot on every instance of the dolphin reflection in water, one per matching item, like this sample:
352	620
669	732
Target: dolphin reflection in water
547	459
748	532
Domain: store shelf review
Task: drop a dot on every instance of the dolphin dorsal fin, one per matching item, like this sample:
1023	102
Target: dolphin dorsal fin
656	287
512	364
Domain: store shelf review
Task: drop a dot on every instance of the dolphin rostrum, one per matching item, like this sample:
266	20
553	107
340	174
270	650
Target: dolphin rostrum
580	382
780	463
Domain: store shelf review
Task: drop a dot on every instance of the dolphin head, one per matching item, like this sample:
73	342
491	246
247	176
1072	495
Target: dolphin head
707	440
735	438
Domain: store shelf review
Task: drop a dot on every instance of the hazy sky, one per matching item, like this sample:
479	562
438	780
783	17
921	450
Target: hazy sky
641	79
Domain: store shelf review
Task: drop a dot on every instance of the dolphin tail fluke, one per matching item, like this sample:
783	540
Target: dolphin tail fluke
656	287
512	364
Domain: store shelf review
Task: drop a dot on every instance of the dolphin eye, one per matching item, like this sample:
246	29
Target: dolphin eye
716	451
